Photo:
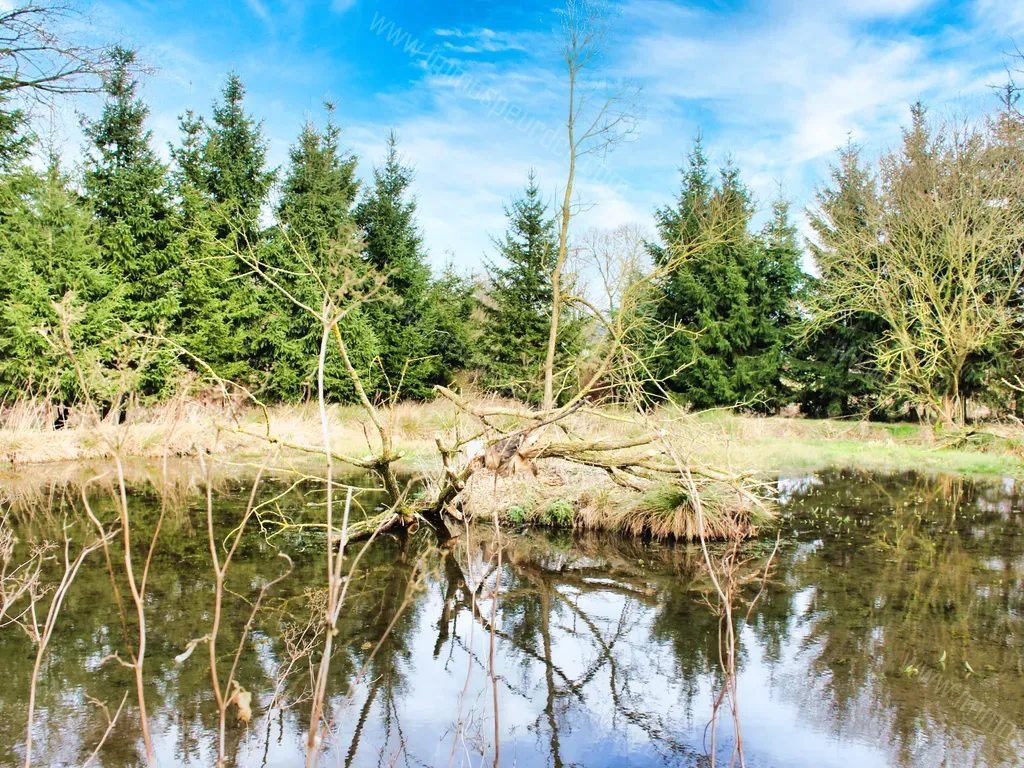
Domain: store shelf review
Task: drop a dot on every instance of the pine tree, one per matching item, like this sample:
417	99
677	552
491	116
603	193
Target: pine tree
394	247
704	297
15	137
686	300
776	306
235	162
835	366
190	169
202	327
452	318
127	187
1006	128
320	188
517	313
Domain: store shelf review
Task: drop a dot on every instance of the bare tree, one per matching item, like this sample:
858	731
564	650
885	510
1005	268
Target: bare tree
41	57
599	117
615	259
940	263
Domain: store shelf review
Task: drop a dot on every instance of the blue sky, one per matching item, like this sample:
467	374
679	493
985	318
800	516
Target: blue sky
776	84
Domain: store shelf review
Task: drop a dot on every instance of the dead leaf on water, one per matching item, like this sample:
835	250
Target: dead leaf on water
243	700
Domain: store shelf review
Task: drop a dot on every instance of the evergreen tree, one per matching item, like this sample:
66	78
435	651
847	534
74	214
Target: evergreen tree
320	187
935	265
232	175
49	248
15	138
203	326
235	161
315	209
517	314
127	187
687	301
394	247
1007	152
451	316
726	350
835	366
190	169
732	302
776	306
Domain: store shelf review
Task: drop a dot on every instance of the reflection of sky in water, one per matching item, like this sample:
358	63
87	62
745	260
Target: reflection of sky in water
820	663
788	487
594	732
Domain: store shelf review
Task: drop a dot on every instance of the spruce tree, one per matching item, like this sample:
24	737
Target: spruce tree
517	312
726	300
452	318
704	297
835	368
320	187
1007	151
203	326
315	209
15	137
235	161
233	175
127	187
394	247
777	305
190	169
49	248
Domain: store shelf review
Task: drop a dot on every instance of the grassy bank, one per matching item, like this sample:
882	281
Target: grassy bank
28	437
562	494
775	444
740	443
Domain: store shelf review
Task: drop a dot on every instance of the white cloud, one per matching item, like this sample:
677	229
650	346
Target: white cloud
461	180
876	8
782	89
778	91
259	9
340	6
1007	15
484	40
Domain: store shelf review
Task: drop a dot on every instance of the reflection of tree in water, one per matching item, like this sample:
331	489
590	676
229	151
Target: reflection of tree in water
598	636
179	609
547	622
377	624
917	575
543	612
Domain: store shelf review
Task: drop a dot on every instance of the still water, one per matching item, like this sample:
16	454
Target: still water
890	633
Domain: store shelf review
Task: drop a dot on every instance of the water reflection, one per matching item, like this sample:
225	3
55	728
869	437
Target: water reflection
891	633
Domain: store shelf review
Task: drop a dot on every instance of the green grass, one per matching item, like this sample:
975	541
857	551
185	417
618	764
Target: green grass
788	454
775	444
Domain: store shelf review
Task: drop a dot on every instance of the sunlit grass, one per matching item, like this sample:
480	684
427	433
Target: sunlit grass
741	443
771	445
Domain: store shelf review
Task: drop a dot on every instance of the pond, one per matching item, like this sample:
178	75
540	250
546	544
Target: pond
890	632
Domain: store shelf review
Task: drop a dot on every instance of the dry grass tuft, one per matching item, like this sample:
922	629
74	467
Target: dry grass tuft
584	498
667	511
